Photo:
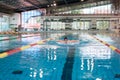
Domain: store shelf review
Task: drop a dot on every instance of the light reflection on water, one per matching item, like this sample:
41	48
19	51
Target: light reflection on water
96	52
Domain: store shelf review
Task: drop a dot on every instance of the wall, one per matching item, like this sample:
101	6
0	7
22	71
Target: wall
4	22
15	20
114	23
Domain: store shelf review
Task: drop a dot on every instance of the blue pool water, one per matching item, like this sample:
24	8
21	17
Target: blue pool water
87	60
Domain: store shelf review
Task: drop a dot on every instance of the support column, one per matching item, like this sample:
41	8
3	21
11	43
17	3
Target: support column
44	24
93	23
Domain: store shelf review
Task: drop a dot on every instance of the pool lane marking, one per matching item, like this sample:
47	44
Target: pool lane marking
68	66
13	51
7	53
3	55
108	45
17	37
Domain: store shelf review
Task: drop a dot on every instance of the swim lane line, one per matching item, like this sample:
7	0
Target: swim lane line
17	37
108	45
13	51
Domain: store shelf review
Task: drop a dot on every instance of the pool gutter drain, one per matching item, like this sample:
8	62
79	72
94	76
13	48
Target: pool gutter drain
117	75
17	72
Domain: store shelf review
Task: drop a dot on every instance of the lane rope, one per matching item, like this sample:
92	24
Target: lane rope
18	37
13	51
108	45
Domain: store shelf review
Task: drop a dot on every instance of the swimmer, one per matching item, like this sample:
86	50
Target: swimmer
66	41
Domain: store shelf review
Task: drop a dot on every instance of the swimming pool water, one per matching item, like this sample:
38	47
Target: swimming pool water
88	60
36	63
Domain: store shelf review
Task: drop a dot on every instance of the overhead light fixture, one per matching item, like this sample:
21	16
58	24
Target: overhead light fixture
48	5
82	0
54	4
51	4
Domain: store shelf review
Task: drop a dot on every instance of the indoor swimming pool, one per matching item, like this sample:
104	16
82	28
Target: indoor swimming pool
88	59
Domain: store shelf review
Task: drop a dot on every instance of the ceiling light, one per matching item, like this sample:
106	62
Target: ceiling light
82	0
47	5
51	4
54	4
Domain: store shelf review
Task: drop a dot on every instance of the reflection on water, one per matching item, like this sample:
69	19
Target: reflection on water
87	64
34	73
96	52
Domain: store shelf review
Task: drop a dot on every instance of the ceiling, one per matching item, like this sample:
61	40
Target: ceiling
11	6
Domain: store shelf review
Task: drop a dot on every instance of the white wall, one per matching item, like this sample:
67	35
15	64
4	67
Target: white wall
4	22
15	19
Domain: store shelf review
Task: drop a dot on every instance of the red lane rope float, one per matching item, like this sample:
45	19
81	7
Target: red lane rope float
17	37
110	46
13	51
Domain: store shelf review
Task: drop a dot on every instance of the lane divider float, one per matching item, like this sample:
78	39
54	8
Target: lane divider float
13	51
108	45
14	33
17	37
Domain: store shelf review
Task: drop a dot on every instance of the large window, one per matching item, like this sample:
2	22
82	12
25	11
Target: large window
103	9
4	23
75	25
31	19
103	24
